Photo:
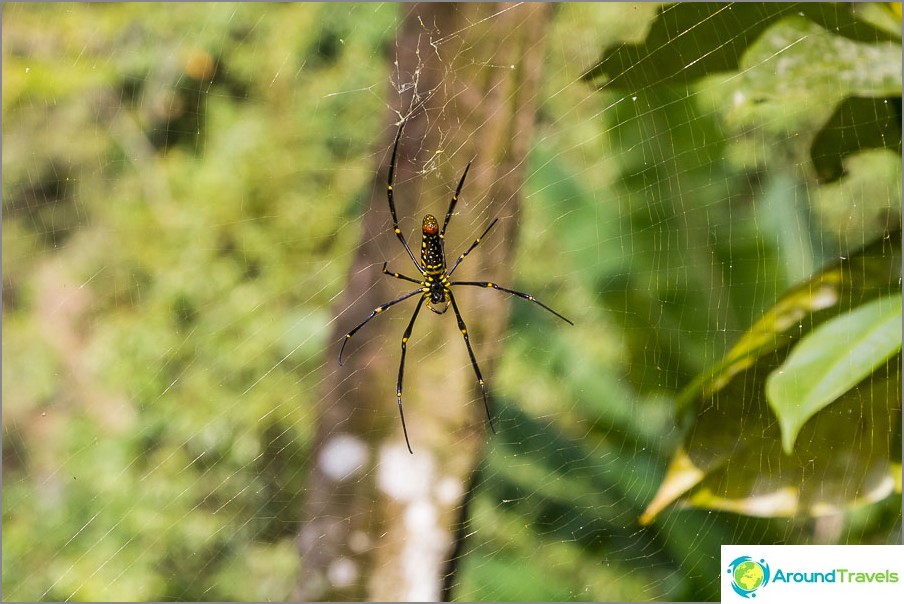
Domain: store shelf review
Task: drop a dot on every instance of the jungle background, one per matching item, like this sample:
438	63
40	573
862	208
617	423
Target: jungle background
194	213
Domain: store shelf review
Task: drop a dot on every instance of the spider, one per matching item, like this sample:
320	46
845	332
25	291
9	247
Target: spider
434	286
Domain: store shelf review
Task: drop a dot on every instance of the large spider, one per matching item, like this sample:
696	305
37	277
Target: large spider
434	286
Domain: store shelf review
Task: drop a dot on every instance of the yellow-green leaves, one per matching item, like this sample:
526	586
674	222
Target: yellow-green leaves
831	360
801	416
796	61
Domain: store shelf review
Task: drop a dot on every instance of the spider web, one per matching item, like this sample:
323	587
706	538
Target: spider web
183	194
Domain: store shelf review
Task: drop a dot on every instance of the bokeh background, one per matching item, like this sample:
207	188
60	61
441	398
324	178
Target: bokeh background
183	194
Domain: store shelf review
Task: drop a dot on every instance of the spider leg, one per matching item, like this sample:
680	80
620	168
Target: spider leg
373	314
405	337
398	276
454	201
511	291
464	332
392	210
473	245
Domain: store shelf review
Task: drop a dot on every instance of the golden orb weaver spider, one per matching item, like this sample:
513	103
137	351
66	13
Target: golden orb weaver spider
434	285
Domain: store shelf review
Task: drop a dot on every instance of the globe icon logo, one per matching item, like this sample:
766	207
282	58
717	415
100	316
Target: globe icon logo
748	575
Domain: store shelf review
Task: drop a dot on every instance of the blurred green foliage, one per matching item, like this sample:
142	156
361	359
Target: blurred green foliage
182	192
180	195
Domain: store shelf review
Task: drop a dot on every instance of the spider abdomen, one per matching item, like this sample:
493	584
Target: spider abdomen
432	248
434	261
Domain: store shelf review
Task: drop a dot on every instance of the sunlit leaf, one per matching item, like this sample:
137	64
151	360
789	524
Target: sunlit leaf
883	15
805	84
831	360
861	199
664	54
813	63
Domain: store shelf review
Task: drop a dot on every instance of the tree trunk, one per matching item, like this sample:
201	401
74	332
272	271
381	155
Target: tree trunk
379	523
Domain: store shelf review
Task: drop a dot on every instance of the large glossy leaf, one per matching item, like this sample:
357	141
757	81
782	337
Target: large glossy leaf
794	63
831	360
664	54
804	84
845	456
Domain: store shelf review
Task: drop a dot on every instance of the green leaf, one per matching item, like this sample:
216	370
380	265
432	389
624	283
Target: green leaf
831	360
731	459
792	77
864	197
721	35
881	15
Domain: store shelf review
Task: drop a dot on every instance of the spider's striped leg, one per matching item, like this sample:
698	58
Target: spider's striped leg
454	201
405	337
464	332
392	210
373	314
398	276
511	291
473	245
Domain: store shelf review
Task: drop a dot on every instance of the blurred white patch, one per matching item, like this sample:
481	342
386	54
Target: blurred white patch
425	550
411	479
358	542
449	491
421	517
343	457
342	572
403	476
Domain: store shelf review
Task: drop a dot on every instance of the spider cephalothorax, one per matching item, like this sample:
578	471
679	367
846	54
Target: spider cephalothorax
434	285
